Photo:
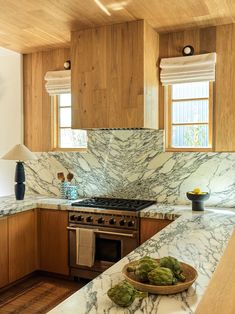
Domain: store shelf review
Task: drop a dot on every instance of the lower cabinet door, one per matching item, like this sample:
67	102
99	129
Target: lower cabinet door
22	244
53	241
4	267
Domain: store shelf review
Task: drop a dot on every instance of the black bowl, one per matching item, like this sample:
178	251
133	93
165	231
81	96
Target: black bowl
198	200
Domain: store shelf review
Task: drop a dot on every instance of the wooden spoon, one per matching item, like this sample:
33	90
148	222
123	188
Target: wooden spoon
60	176
70	176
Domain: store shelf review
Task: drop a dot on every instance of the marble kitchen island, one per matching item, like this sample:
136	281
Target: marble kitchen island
198	239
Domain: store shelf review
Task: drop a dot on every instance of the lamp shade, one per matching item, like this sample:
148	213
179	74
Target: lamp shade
19	152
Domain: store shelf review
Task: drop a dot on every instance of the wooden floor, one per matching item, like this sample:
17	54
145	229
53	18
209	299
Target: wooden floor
37	294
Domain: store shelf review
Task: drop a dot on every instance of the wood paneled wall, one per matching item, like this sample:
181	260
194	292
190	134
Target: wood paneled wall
151	77
225	89
218	39
109	74
110	60
37	107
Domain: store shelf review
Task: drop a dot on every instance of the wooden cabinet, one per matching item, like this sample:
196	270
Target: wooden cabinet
114	76
149	227
4	262
53	241
22	244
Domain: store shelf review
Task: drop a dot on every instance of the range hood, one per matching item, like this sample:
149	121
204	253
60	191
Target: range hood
114	79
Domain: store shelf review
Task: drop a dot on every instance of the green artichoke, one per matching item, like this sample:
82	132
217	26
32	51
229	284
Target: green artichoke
146	259
161	276
142	270
173	264
124	294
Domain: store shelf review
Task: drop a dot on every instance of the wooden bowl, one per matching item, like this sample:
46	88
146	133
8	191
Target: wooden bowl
188	271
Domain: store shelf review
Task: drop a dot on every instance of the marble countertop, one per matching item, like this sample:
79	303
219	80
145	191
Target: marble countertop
9	206
197	238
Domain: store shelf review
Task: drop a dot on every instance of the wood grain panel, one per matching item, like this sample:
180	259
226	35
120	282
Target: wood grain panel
151	77
149	227
22	244
40	25
225	91
53	241
37	103
114	80
219	296
4	260
171	45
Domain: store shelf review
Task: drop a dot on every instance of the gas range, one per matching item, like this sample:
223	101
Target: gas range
115	224
109	212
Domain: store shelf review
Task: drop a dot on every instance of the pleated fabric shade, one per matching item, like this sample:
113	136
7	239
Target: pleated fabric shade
188	69
58	82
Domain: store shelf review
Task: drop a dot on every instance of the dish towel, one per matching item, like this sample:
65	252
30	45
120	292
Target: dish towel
85	247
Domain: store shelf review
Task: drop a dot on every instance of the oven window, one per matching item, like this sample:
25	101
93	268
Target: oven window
108	250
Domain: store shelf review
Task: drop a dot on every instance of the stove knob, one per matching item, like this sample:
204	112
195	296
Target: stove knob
122	222
131	223
100	220
89	219
72	217
112	221
79	218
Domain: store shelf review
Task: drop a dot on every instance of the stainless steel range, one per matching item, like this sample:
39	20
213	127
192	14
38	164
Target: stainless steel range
116	225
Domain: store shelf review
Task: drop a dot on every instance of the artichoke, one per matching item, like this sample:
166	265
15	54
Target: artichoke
124	294
161	276
142	270
173	264
146	259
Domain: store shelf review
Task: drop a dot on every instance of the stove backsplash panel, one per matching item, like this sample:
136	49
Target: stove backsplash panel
133	164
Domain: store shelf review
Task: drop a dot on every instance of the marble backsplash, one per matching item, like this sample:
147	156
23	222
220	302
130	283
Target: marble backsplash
133	164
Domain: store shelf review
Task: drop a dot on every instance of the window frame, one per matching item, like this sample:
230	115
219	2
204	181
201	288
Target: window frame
55	129
168	122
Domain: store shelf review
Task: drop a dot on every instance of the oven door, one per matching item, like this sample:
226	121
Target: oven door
111	245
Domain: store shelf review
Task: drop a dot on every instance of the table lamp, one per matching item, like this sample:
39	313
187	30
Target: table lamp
21	153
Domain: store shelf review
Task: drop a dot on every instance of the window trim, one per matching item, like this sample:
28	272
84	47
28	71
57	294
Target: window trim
55	129
168	124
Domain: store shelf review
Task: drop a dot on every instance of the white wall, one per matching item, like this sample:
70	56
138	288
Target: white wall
11	114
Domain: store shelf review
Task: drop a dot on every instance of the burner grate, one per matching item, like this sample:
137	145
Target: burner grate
114	203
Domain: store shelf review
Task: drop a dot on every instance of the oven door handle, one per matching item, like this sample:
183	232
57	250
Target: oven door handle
108	232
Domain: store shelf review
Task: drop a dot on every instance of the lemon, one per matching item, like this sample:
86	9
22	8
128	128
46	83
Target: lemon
197	191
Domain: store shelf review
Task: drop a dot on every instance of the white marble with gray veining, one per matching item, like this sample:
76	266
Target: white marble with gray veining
198	239
132	164
9	205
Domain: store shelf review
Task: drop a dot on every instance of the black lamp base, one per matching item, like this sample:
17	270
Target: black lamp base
19	179
19	191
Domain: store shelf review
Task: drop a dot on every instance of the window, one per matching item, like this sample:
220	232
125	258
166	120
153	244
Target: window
189	125
66	138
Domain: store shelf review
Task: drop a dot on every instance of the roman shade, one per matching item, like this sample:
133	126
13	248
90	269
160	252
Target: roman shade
188	69
58	82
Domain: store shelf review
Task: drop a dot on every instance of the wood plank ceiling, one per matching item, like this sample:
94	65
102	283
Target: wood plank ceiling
30	25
